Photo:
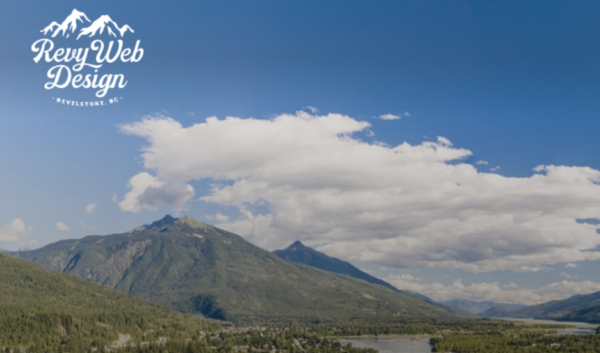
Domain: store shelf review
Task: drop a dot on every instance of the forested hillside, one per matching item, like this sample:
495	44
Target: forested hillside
48	311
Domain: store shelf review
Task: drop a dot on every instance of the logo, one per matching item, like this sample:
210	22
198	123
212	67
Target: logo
87	65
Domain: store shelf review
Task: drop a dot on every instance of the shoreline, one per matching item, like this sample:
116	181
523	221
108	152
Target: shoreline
548	322
413	336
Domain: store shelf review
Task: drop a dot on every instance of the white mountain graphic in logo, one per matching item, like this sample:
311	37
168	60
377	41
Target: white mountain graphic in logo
98	26
70	23
102	22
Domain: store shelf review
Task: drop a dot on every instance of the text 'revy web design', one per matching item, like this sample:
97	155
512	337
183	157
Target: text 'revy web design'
81	53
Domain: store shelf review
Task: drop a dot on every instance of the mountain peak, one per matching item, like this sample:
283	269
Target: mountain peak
170	223
191	222
299	253
297	245
165	221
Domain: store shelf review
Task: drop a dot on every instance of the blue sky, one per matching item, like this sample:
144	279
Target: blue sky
514	83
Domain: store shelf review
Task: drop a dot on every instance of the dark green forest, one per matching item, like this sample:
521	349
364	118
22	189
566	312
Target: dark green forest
520	338
292	341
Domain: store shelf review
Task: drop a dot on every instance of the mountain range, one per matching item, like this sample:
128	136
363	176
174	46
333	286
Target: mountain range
479	307
578	308
582	307
69	25
197	268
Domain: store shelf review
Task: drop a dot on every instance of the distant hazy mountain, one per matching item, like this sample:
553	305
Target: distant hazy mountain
477	307
501	310
62	313
299	253
197	268
583	307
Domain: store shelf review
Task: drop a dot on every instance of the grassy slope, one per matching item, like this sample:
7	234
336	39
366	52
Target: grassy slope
197	268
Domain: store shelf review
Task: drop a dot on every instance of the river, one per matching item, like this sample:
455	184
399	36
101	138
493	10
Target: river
420	344
581	328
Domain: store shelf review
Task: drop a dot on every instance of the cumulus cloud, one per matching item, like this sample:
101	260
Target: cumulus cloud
511	293
62	227
219	217
90	208
15	231
305	176
389	117
147	192
482	162
571	265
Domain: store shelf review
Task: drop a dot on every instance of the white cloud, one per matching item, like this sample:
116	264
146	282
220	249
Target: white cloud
482	162
147	192
493	291
389	117
90	208
571	265
406	114
15	231
565	274
496	168
399	206
311	109
219	217
62	227
571	288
